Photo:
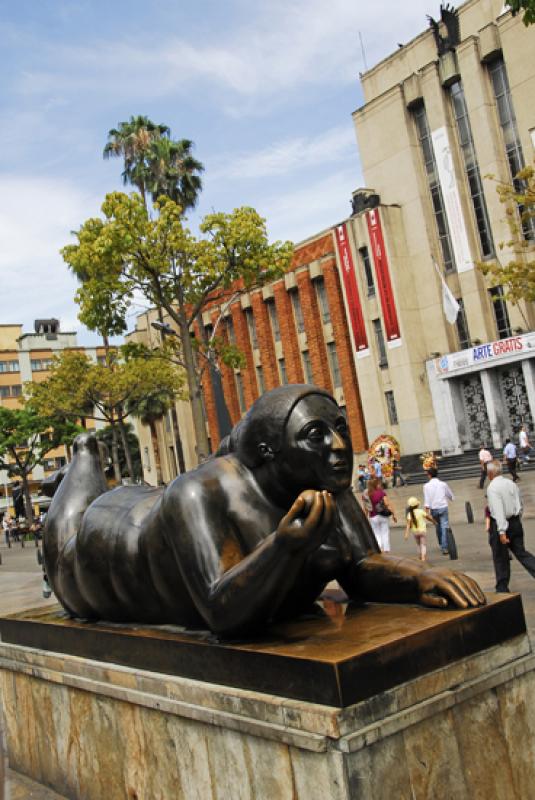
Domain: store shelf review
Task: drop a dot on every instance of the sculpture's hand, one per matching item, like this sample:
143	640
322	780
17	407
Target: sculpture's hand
439	587
306	525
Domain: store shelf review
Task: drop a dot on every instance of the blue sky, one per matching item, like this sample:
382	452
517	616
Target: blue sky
264	90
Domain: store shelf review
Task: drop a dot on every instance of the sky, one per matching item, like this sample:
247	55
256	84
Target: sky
265	90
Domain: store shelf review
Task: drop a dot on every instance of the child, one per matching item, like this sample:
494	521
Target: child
417	523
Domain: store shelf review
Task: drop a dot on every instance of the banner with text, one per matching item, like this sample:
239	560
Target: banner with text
382	272
452	201
352	292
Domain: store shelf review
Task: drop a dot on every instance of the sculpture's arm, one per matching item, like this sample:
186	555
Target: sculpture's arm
380	577
234	599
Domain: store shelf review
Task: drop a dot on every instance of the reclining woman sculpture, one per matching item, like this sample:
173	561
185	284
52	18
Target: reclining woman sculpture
245	538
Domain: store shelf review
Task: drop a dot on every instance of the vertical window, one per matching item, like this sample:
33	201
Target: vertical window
239	388
274	320
380	341
260	380
282	371
334	365
298	311
323	302
368	274
307	366
391	406
16	391
462	326
426	145
513	148
251	325
229	324
471	166
9	366
501	315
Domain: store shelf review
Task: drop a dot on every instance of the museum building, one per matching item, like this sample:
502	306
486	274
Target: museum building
445	110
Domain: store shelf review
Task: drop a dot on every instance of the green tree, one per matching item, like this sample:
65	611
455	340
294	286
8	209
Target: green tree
517	276
154	163
77	387
177	271
106	435
526	6
26	437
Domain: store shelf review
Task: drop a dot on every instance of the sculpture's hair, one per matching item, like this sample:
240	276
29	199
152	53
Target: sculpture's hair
265	422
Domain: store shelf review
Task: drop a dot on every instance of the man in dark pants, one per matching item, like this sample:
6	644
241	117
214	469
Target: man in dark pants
506	532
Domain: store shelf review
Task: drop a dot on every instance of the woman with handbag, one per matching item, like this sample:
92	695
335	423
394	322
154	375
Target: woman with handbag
379	510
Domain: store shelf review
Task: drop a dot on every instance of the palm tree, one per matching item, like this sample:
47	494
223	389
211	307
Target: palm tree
132	140
174	171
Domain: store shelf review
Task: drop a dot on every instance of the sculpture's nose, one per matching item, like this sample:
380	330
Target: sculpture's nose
338	441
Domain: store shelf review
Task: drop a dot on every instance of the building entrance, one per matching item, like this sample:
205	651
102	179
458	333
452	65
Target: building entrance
515	399
475	412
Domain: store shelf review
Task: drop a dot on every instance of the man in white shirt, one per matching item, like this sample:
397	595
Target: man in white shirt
436	497
509	456
523	444
506	530
484	457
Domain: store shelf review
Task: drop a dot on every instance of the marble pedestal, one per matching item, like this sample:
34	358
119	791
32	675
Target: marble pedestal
399	719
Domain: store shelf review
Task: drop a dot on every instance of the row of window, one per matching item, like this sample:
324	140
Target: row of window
52	464
10	391
513	149
9	366
40	364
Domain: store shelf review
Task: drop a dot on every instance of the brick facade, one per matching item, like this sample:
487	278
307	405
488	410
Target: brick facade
314	339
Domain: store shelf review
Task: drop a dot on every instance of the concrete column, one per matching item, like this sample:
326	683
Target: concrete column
495	410
444	411
528	369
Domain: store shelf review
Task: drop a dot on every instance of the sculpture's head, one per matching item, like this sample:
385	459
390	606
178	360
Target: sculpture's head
301	432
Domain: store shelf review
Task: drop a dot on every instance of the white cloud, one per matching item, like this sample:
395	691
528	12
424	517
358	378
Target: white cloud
288	155
36	217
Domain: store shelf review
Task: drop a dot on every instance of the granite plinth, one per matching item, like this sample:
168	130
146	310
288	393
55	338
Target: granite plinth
92	729
336	660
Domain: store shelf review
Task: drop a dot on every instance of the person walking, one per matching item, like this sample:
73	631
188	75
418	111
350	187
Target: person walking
485	456
396	473
509	456
378	509
506	532
523	444
417	523
437	494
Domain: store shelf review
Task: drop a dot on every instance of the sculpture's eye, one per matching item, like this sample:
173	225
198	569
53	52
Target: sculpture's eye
341	426
315	432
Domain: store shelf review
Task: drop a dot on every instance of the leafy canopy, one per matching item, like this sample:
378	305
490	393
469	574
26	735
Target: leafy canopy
527	6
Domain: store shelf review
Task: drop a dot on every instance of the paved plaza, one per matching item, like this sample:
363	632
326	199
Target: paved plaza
21	582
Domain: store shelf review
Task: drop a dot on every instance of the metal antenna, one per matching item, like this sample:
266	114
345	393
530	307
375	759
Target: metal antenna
363	53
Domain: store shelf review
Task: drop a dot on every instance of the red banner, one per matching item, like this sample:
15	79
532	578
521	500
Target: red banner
382	273
352	292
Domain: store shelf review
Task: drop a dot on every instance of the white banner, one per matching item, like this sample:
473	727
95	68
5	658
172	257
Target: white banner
452	201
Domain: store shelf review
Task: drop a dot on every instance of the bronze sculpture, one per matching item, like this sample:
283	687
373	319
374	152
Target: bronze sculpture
248	537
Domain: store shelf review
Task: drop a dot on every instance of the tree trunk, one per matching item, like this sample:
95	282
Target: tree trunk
156	452
178	442
115	452
126	448
27	501
194	387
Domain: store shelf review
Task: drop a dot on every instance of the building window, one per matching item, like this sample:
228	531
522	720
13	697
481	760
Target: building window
229	325
241	395
426	145
323	301
368	273
501	315
380	341
39	364
391	406
251	325
260	380
332	356
298	311
274	320
462	326
513	148
50	464
282	371
10	391
466	142
16	391
307	366
9	366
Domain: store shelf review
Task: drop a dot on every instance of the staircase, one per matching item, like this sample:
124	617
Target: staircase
455	468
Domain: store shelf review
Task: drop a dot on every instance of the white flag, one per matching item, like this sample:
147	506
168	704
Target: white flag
449	303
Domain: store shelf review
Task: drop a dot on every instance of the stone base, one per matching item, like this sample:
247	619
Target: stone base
91	729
